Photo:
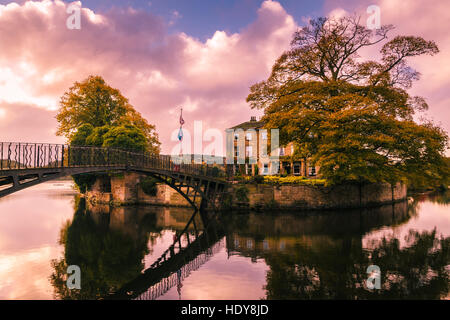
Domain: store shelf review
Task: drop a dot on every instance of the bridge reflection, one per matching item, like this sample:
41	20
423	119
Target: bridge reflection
109	244
166	273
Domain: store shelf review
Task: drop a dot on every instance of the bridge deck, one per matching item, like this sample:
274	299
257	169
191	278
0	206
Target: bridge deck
23	165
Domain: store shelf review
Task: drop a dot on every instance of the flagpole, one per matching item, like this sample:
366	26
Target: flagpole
180	132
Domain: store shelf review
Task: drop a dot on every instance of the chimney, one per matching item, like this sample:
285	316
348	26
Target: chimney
252	118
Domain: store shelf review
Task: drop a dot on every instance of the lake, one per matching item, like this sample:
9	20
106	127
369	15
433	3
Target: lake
298	255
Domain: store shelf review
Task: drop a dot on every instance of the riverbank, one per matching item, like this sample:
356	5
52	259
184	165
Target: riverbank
127	189
264	197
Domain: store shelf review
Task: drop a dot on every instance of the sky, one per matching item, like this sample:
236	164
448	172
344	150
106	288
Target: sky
202	55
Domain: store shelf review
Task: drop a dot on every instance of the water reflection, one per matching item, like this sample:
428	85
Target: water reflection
109	245
323	257
313	255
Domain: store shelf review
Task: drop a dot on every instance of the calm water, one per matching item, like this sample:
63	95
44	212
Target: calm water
248	256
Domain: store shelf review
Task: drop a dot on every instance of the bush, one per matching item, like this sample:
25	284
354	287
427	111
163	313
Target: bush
257	179
226	201
215	172
125	137
84	182
271	205
242	194
149	186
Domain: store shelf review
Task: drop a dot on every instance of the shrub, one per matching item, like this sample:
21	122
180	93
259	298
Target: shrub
215	172
271	205
242	194
149	186
226	201
258	179
84	182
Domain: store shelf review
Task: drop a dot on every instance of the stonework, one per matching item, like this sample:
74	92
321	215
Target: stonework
125	190
319	197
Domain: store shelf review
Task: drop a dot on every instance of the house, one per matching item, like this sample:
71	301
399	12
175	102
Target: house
288	162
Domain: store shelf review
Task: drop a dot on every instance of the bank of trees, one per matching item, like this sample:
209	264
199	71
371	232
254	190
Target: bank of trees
352	117
94	114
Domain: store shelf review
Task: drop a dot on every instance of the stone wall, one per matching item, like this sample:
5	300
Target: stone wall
319	197
125	190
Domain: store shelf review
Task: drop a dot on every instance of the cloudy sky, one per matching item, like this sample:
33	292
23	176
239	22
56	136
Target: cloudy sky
162	54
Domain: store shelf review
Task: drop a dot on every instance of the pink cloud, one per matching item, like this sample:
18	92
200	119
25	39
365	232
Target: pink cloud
134	52
158	71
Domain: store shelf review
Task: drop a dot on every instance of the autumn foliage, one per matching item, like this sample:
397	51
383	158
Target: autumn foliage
352	117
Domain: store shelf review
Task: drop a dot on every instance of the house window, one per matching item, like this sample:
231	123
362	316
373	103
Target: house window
312	171
249	169
281	151
248	151
266	168
297	168
249	136
265	244
236	152
264	135
287	167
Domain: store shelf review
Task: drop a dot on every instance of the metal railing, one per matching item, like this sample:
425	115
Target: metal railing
18	156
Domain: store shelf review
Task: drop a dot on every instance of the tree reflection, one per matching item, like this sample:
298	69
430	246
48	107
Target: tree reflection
417	271
108	257
323	255
439	198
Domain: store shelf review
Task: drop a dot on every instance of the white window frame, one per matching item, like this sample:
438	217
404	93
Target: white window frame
265	168
264	135
248	151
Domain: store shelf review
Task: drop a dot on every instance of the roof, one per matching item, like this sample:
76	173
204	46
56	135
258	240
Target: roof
252	124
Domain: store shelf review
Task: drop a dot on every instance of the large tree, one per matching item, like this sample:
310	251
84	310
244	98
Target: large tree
94	102
352	117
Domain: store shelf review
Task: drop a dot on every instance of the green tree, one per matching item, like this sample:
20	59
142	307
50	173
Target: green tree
96	138
94	102
354	118
80	136
126	137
